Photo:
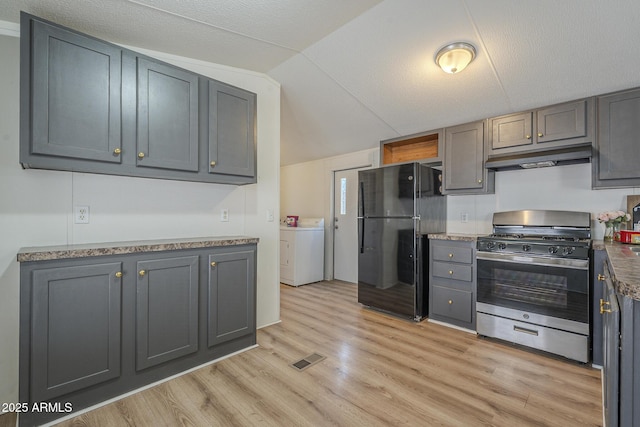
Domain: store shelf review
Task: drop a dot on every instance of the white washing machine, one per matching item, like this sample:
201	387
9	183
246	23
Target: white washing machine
302	252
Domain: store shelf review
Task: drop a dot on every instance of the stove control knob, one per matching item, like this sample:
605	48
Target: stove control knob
502	246
526	248
491	245
567	250
553	249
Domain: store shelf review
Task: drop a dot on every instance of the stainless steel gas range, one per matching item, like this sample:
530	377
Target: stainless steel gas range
533	281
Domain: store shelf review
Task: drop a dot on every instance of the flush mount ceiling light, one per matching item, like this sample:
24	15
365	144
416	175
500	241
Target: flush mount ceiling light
455	57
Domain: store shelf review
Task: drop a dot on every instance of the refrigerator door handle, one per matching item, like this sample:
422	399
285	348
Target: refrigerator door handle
361	199
361	231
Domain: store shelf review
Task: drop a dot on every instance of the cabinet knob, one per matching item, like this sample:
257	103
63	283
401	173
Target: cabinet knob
119	274
142	273
450	255
117	152
141	155
213	264
479	181
528	136
601	277
540	135
451	272
213	163
450	302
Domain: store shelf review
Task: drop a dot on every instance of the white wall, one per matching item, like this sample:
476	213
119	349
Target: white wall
36	205
309	189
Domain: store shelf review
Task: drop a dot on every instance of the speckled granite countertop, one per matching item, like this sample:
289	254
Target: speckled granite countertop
453	236
626	267
45	253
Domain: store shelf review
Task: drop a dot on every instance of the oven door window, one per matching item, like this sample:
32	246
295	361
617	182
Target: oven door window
548	290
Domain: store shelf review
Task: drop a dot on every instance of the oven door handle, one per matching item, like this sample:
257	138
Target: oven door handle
577	264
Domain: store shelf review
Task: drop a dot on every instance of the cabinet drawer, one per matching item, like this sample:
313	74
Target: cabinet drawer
451	303
453	254
451	270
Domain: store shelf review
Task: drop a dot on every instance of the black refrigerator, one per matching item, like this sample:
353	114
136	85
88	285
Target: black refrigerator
397	207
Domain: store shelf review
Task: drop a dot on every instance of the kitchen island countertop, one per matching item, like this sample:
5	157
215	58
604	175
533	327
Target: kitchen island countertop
45	253
625	264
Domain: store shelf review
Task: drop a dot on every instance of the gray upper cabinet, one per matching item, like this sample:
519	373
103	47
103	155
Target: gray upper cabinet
72	83
166	309
550	127
167	117
232	130
464	171
616	161
91	106
231	295
75	327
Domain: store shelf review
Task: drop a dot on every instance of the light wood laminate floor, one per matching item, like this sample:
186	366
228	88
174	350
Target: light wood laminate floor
378	371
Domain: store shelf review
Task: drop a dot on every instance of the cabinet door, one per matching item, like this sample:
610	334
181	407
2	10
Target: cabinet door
511	131
166	309
232	130
617	159
231	296
75	95
167	117
75	328
562	122
611	353
464	157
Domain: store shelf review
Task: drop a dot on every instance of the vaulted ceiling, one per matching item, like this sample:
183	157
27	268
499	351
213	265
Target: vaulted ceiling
354	72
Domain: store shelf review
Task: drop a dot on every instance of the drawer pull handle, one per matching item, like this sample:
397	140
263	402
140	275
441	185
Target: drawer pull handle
450	255
601	277
450	302
451	272
142	273
604	303
525	330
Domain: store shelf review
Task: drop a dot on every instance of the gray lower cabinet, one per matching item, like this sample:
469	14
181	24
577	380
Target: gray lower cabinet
230	297
616	161
75	325
621	355
166	309
91	106
550	127
452	282
464	171
97	327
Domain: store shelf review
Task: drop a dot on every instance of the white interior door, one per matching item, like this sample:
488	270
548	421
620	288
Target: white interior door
345	226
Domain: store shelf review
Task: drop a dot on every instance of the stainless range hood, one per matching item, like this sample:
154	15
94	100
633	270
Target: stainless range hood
552	157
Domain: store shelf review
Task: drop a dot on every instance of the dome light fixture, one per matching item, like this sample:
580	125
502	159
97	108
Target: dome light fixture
454	57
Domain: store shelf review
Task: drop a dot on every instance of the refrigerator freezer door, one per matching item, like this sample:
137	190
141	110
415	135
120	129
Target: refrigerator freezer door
387	192
387	266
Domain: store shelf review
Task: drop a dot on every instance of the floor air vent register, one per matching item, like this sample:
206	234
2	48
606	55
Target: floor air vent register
308	361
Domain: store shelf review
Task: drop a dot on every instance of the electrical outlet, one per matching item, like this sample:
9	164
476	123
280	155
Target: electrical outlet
81	214
464	217
224	215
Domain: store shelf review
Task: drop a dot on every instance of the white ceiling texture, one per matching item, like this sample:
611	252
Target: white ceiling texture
355	72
